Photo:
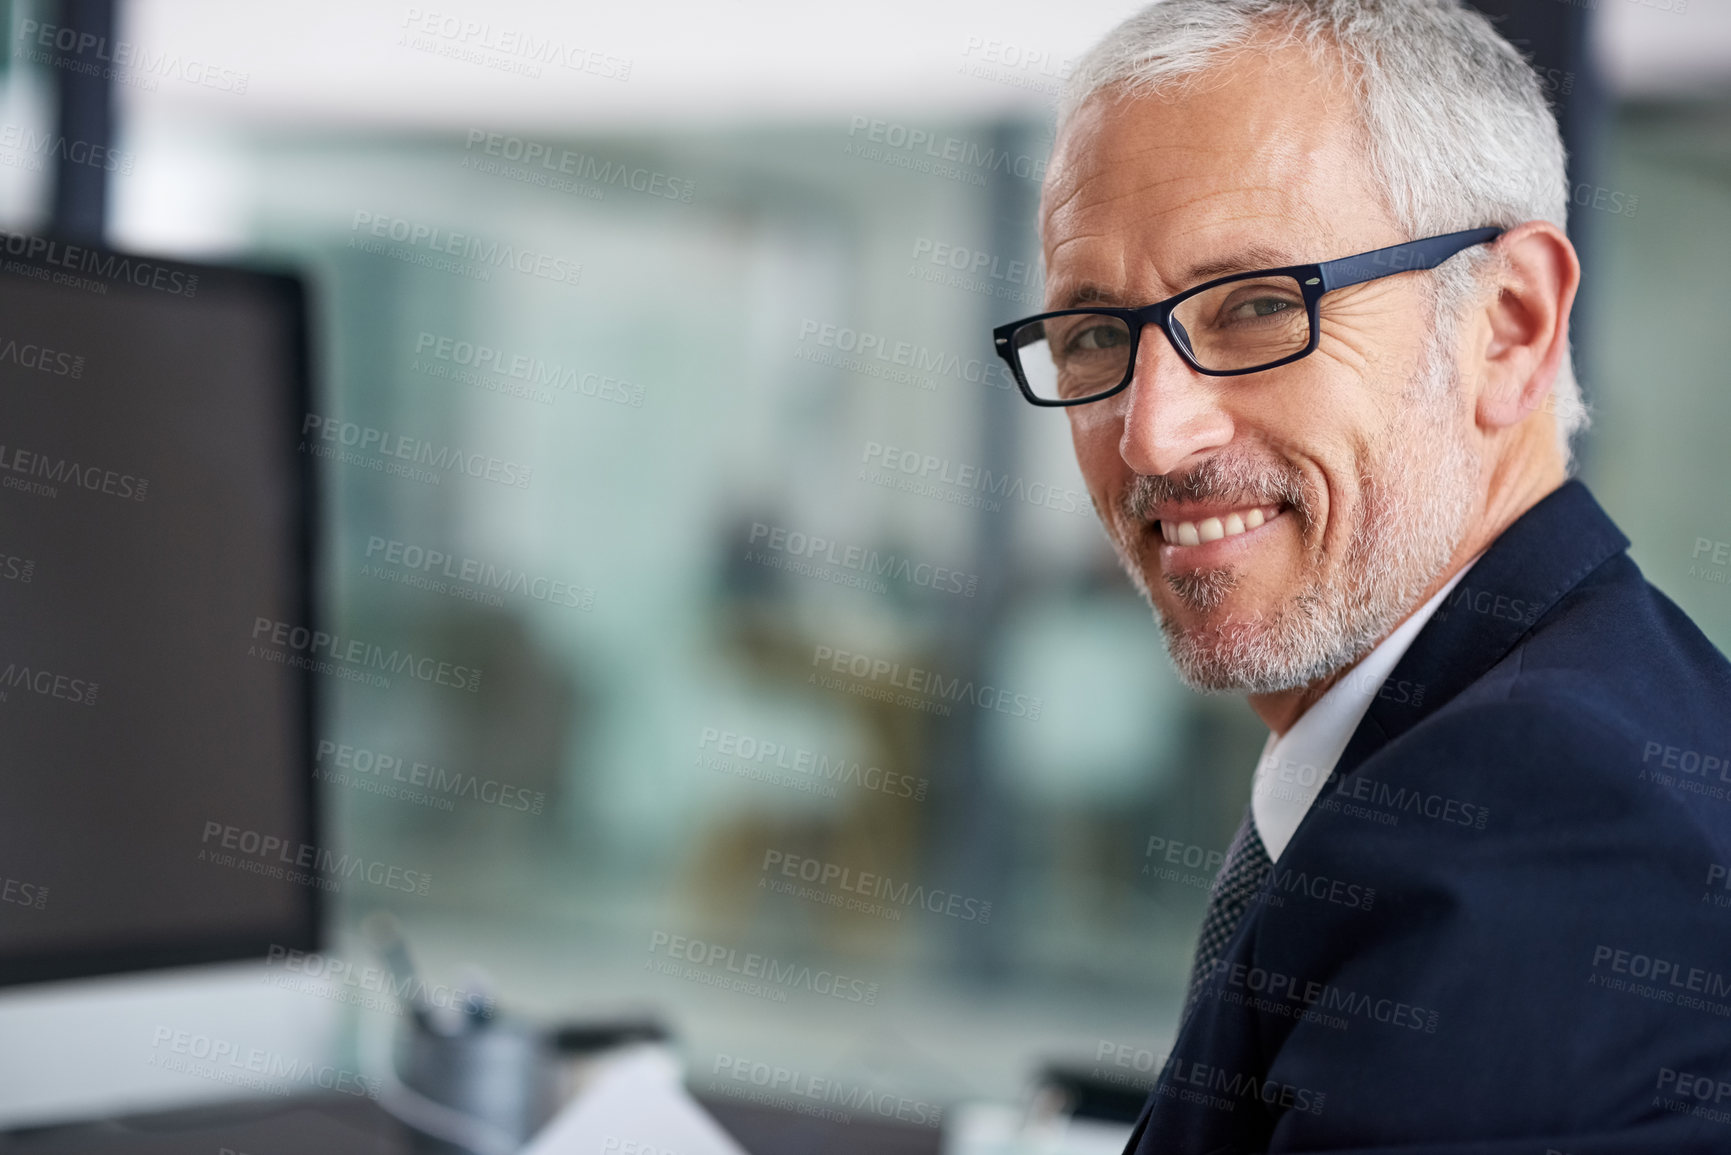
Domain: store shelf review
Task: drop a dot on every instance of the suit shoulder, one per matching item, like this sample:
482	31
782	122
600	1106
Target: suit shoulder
1616	645
1614	670
1546	763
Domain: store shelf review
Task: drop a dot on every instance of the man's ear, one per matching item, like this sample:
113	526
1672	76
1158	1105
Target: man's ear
1524	322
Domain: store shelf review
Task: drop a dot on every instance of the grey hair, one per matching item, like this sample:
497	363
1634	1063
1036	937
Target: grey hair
1457	130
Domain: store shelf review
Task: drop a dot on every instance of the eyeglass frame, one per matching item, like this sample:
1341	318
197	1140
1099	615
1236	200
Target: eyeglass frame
1313	281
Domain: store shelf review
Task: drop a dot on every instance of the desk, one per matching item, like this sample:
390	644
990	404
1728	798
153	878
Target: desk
344	1125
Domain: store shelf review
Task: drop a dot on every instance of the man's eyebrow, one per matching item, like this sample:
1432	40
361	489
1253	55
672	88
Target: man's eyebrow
1089	293
1245	260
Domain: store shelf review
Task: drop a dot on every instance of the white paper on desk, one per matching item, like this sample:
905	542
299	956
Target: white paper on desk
636	1106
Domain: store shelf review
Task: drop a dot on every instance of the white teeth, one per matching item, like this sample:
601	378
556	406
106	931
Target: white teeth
1215	528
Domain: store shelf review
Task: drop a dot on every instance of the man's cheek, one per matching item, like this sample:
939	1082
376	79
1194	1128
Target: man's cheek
1095	440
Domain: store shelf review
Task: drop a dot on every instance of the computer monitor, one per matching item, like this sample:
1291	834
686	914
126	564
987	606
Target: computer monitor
154	508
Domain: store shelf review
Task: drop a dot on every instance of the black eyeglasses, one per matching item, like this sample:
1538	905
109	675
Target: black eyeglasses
1241	323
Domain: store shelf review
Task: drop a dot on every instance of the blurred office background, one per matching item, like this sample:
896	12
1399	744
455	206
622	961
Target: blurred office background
765	244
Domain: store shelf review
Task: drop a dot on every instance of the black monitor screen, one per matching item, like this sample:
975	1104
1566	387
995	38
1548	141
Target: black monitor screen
154	509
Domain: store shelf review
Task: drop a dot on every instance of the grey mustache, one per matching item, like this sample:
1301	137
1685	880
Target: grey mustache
1207	483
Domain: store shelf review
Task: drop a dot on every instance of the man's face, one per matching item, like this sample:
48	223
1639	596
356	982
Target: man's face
1279	522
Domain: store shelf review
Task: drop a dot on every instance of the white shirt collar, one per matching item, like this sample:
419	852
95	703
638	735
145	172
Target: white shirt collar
1294	765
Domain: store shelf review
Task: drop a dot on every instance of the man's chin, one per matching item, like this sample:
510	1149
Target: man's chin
1222	600
1234	657
1201	591
1232	649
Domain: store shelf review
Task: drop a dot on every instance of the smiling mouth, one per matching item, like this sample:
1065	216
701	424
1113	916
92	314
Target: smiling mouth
1209	529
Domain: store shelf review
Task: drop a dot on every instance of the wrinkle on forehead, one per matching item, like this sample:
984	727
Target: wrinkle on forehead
1140	188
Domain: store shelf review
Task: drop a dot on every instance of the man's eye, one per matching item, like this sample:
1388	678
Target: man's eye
1259	307
1096	337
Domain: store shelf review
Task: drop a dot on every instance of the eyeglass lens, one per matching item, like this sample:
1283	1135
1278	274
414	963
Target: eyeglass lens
1239	325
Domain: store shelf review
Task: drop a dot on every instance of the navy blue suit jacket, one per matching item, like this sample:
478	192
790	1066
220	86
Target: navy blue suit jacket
1505	925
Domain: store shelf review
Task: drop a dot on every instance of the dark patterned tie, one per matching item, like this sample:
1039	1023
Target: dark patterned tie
1247	864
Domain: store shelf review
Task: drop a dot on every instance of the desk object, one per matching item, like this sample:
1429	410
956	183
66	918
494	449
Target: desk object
635	1106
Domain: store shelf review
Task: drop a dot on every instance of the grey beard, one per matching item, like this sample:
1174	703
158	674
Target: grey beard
1203	589
1422	488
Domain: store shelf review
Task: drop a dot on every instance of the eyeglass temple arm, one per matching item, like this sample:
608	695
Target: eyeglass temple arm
1425	254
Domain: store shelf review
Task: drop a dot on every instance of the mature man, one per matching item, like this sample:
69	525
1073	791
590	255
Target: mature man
1310	293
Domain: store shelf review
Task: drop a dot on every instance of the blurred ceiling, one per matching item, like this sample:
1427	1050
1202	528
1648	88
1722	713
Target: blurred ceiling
627	65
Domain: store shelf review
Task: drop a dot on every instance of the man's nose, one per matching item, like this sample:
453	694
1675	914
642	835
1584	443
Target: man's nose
1171	412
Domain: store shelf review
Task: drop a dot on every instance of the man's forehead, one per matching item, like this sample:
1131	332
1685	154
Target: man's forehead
1243	174
1100	252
